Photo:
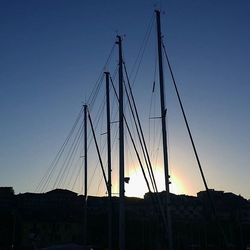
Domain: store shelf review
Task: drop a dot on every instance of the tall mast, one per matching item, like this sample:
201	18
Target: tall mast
121	152
109	159
164	133
85	173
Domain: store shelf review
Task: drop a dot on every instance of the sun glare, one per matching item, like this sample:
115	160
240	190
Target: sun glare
137	186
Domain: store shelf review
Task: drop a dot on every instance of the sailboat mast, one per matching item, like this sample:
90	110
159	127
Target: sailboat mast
109	159
85	172
121	152
164	132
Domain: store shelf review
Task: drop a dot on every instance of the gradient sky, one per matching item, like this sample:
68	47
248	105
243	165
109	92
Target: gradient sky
53	51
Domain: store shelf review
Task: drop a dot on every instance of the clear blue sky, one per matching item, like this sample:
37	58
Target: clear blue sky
52	53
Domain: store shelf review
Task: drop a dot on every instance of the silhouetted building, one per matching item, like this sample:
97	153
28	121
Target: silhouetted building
32	220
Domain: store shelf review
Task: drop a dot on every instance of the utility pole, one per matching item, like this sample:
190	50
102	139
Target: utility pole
164	133
107	74
121	152
85	174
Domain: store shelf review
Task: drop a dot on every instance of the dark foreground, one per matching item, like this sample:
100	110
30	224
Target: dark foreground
36	221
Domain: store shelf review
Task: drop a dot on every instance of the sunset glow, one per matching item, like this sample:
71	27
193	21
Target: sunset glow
137	186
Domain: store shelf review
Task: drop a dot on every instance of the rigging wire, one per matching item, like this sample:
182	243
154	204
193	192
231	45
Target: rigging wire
99	185
193	145
93	94
157	150
98	151
71	162
142	49
113	111
54	163
97	121
185	118
142	146
70	165
68	157
152	103
44	181
74	174
99	114
131	137
140	132
77	177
